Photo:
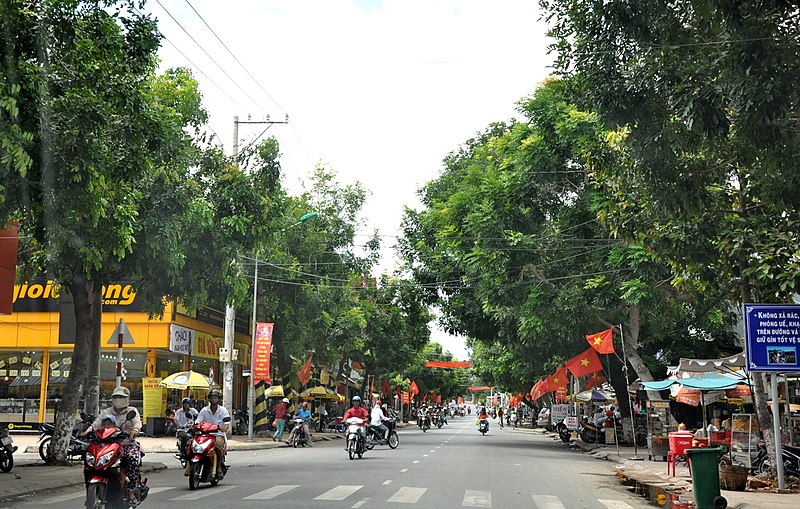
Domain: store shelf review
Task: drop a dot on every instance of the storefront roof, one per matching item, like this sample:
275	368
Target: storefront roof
708	383
730	363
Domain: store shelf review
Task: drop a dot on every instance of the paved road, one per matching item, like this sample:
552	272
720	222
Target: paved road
444	468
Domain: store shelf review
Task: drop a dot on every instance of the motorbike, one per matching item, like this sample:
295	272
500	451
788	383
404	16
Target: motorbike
483	426
563	432
182	443
7	450
299	434
440	421
425	423
589	432
201	455
242	421
105	470
170	426
375	436
355	437
791	460
77	446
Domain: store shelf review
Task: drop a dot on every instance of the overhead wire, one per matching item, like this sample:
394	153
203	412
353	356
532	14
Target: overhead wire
256	103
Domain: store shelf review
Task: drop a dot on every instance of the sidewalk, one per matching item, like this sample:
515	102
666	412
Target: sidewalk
650	478
30	475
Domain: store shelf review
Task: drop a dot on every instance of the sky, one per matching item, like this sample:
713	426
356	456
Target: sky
378	90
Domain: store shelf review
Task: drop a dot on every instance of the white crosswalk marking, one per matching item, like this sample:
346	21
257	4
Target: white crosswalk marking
474	498
547	502
203	493
270	493
340	492
615	504
407	495
160	489
63	498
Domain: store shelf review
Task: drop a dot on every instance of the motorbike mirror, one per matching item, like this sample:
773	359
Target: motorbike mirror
226	419
130	415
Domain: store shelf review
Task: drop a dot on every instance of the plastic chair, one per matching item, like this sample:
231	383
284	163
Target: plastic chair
672	459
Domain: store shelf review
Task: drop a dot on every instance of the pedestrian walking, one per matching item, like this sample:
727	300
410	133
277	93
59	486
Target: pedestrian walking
280	419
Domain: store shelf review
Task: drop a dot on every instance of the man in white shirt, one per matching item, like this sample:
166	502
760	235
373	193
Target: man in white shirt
215	414
376	419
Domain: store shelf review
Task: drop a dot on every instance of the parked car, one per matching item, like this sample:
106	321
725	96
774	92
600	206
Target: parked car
543	421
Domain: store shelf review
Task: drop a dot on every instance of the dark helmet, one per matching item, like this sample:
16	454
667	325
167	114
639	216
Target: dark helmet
215	392
186	400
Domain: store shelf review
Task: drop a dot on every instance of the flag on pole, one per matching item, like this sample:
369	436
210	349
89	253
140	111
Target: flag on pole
602	341
413	389
304	375
385	388
585	363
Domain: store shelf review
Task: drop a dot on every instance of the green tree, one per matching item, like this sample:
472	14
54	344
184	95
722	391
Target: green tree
708	98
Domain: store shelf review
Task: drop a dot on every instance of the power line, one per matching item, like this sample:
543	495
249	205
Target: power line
234	57
256	103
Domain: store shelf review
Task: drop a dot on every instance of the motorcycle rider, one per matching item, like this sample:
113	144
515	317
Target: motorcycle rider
116	415
355	411
215	413
183	418
302	413
500	417
482	415
377	418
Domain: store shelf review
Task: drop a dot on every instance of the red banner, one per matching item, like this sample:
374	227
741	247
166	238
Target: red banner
479	388
262	352
9	240
447	365
406	397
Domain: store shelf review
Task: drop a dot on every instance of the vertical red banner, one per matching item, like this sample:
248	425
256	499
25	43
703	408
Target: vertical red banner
261	353
9	239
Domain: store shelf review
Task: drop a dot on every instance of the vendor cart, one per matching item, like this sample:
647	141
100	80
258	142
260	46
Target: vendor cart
659	424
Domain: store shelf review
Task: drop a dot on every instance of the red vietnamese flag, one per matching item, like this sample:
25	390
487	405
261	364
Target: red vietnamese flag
535	390
584	364
385	388
413	389
595	380
602	341
305	373
559	379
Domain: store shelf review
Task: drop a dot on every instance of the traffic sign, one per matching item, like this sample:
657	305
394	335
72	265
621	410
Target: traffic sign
772	337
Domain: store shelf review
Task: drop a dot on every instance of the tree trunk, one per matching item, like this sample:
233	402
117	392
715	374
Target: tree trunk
617	380
91	387
80	289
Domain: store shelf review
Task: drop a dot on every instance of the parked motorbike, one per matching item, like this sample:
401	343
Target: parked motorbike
483	426
299	434
589	432
105	470
563	432
355	437
201	455
77	446
791	460
424	423
242	421
375	436
7	450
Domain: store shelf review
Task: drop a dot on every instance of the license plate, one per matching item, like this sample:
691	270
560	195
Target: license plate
6	440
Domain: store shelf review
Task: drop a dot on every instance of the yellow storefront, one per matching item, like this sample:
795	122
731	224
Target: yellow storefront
36	343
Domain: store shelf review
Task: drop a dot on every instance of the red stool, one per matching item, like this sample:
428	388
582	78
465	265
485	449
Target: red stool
672	458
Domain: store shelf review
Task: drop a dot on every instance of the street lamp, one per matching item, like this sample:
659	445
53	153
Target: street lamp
252	388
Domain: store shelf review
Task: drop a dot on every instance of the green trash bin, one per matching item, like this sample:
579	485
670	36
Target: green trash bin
705	477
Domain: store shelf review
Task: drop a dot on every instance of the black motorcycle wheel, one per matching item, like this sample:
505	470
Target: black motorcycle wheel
394	441
351	448
6	461
360	451
43	447
588	436
564	435
195	473
95	493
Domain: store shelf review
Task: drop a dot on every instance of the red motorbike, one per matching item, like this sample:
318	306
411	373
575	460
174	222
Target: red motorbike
201	455
105	470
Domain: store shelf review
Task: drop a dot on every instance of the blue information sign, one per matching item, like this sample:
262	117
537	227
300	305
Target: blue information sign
772	337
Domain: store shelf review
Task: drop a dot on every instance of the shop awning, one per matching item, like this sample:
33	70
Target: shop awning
730	363
708	383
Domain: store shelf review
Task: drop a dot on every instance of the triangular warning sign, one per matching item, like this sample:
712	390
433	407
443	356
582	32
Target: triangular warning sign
127	339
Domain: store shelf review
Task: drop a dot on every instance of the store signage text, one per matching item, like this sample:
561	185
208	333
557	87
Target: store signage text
116	294
181	339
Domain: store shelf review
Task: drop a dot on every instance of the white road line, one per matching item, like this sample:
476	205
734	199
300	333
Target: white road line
547	502
415	461
614	504
387	482
359	503
340	492
64	498
160	489
424	455
407	495
432	450
207	492
404	470
474	498
270	493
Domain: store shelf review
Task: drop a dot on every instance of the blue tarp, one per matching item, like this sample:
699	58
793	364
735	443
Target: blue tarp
708	383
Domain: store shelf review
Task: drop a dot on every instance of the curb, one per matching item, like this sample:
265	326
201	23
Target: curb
66	481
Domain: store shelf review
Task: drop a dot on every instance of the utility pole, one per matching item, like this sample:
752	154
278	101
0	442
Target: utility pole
230	312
